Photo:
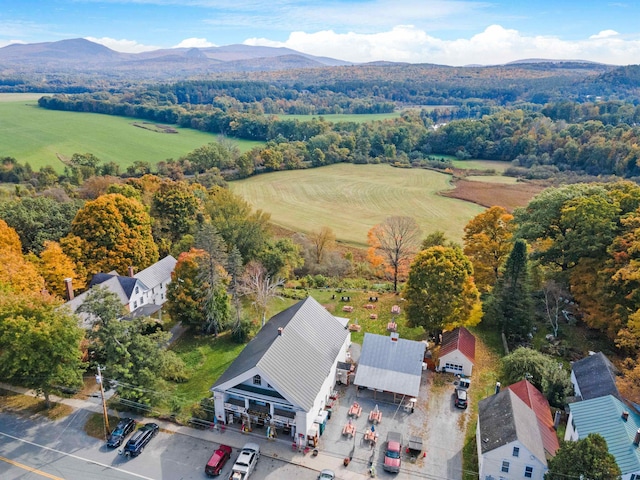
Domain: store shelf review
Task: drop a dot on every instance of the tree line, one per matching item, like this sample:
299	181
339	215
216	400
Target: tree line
588	139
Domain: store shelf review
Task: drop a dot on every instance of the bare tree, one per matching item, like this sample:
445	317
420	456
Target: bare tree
394	242
256	284
553	294
322	241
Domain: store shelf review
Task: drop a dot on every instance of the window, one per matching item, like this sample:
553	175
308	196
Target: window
453	366
137	290
135	304
505	466
516	451
528	472
634	476
257	380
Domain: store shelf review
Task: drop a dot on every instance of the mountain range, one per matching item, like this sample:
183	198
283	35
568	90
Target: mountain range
81	55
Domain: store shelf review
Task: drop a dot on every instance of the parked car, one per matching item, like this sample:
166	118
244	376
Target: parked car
125	427
246	462
326	475
461	398
217	460
393	452
140	439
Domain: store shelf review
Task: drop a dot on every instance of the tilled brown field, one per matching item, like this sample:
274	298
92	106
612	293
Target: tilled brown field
493	194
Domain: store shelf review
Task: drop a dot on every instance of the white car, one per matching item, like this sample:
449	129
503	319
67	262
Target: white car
246	462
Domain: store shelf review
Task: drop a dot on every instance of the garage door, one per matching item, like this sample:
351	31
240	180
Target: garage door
453	367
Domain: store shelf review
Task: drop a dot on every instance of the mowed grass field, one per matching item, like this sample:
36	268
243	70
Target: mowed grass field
353	198
356	118
35	135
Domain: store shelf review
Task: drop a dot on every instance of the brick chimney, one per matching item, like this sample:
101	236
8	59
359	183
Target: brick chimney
68	284
130	271
280	330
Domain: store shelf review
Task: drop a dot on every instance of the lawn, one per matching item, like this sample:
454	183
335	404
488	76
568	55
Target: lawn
35	135
350	199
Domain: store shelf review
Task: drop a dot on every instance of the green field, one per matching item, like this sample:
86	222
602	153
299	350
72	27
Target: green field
35	135
338	117
352	198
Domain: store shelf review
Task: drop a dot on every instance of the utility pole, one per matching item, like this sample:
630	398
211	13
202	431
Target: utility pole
104	405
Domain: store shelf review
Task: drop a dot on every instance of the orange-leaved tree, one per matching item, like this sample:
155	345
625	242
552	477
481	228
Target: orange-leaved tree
113	232
393	243
55	266
15	271
487	243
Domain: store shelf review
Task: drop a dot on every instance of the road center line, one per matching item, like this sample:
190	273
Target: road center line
30	469
104	465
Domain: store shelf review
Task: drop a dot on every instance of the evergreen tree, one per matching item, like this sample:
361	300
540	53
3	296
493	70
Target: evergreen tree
510	305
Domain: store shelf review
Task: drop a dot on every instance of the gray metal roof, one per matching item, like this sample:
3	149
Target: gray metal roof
603	415
391	366
595	375
158	272
504	418
297	362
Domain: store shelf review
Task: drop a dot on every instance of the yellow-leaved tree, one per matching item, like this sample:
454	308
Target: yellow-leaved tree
15	271
55	266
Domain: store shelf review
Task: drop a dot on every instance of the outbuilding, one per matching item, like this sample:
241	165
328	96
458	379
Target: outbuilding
390	364
457	352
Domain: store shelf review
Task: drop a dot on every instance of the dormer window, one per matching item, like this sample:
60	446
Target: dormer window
257	380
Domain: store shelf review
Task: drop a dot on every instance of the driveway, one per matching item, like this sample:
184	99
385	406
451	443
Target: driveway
445	429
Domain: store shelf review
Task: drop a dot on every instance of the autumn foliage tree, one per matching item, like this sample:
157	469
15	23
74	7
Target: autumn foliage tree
487	242
111	232
15	271
322	241
392	244
440	290
55	266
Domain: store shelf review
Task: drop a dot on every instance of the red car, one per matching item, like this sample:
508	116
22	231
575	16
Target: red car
217	460
393	453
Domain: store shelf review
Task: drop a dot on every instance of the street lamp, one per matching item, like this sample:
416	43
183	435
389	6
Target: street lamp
104	404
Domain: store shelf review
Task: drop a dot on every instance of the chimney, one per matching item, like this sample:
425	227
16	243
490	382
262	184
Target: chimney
280	330
130	271
497	387
68	284
394	337
625	415
636	441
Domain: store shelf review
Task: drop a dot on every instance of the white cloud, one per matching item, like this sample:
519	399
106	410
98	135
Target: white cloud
604	34
494	45
195	43
123	45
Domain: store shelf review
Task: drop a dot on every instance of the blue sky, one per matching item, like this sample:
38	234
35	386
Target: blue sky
451	32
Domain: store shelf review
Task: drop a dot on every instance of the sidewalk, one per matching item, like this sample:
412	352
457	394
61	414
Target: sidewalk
274	448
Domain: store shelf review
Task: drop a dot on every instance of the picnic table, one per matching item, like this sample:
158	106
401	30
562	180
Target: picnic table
395	310
347	308
355	410
349	429
375	415
392	326
373	316
371	436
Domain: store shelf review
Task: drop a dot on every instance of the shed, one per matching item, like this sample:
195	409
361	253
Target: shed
457	352
390	364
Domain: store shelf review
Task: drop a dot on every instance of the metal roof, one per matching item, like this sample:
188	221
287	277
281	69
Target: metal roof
595	376
603	415
390	366
459	339
540	406
504	418
298	361
158	272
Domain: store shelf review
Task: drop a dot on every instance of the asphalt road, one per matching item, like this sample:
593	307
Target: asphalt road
33	449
